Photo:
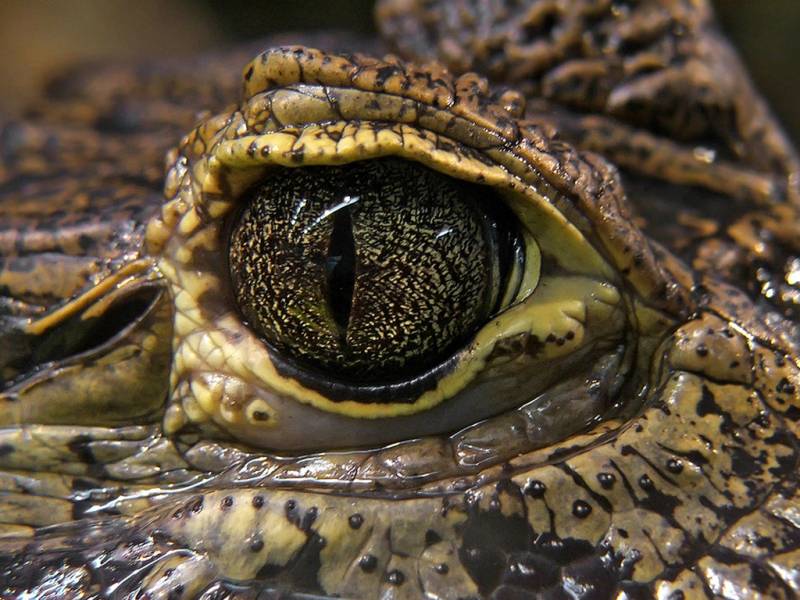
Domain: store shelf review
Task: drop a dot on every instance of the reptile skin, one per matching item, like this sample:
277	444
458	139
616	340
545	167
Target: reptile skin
132	411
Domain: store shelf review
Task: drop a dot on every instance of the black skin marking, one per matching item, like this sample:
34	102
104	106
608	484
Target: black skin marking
743	464
355	521
309	518
256	544
533	346
785	387
431	538
80	446
606	480
531	572
395	577
535	489
385	73
226	503
368	563
302	570
707	404
258	502
197	505
601	500
674	465
489	538
85	242
581	509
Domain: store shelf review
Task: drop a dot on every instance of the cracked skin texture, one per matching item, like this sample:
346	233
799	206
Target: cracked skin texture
129	458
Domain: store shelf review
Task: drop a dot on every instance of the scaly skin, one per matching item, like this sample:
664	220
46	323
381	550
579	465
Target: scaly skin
129	459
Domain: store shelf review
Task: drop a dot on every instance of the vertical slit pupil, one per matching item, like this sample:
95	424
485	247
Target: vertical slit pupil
341	268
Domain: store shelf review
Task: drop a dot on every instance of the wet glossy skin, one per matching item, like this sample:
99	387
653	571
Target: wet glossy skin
134	398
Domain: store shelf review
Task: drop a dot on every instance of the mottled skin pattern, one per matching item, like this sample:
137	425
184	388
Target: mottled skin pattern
120	469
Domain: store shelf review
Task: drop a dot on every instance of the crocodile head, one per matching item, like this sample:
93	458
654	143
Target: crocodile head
387	334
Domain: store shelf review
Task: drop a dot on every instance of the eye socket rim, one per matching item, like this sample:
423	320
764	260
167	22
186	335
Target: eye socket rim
408	388
187	236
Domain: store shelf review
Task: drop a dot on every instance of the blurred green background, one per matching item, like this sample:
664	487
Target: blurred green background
39	36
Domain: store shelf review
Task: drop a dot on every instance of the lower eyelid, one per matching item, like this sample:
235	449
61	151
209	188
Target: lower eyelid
555	317
560	411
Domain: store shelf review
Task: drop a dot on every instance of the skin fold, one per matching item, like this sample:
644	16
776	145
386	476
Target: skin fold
626	426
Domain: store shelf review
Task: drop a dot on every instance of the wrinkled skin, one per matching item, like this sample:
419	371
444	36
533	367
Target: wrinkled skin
122	476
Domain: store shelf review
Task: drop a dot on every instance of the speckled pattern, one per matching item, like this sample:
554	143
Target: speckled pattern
137	409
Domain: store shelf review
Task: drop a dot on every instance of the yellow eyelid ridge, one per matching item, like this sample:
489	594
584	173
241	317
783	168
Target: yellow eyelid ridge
547	224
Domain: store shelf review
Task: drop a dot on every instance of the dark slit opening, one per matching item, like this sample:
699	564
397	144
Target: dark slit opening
340	267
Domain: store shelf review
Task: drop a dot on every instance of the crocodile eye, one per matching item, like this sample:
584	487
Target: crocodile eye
354	267
372	271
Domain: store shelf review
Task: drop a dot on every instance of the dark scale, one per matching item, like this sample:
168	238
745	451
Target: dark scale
581	509
197	505
256	544
355	521
535	489
606	480
395	577
368	563
674	465
431	538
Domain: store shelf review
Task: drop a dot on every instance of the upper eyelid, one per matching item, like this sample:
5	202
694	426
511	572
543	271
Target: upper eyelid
527	152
